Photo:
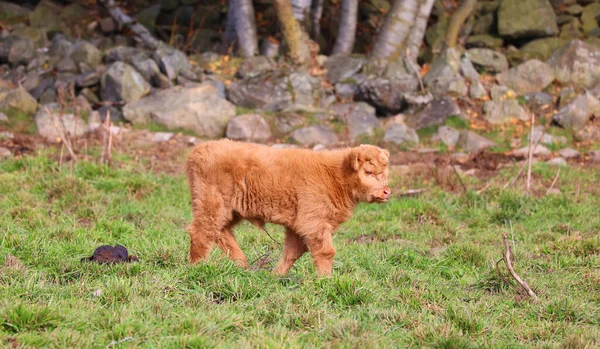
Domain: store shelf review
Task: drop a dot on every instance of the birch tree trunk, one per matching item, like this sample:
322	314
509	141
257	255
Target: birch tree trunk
241	27
315	19
347	30
295	38
415	39
391	40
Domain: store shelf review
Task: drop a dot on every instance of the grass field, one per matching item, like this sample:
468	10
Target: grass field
416	272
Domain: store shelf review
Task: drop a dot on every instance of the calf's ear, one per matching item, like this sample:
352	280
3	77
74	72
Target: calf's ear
355	159
386	152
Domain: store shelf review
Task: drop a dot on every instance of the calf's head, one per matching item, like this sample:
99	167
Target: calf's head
369	167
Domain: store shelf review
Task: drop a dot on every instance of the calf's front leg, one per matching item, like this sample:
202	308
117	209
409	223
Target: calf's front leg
320	245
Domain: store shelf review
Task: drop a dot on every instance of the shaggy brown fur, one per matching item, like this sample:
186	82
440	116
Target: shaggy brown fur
310	193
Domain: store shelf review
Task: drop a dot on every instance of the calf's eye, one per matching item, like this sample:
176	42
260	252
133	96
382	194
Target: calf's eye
369	172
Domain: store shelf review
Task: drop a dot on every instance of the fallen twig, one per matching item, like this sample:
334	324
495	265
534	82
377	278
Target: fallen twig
553	182
508	262
106	140
459	179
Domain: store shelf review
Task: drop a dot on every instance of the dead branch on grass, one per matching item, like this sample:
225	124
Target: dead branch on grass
553	182
509	266
63	136
106	140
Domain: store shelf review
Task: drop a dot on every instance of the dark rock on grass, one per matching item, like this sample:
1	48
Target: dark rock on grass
400	134
434	113
106	254
576	114
473	143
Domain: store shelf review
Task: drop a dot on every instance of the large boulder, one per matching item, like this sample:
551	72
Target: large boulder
342	67
400	133
490	60
313	135
272	91
577	63
531	76
472	142
86	56
476	89
576	114
498	112
49	120
122	82
387	95
17	99
171	61
360	118
16	50
198	109
248	127
444	75
526	19
433	113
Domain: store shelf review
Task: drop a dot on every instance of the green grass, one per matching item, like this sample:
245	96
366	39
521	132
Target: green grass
415	272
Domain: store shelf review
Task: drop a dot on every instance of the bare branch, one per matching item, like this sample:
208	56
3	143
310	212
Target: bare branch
530	155
510	268
66	141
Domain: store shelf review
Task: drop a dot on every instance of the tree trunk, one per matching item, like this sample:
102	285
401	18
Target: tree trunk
315	19
391	40
295	39
457	20
241	27
347	31
417	33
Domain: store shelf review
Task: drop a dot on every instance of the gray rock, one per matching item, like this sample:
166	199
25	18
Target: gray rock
248	127
557	162
541	48
595	156
566	96
3	117
87	55
346	90
446	135
359	117
67	65
526	19
342	67
498	112
576	114
122	82
501	93
171	61
109	111
16	50
162	137
531	76
18	99
273	92
476	89
87	79
577	63
484	41
539	101
5	153
386	94
312	135
538	150
254	66
148	68
48	96
108	25
568	153
196	108
490	60
434	113
287	122
47	124
589	18
472	142
545	138
444	75
123	54
400	134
